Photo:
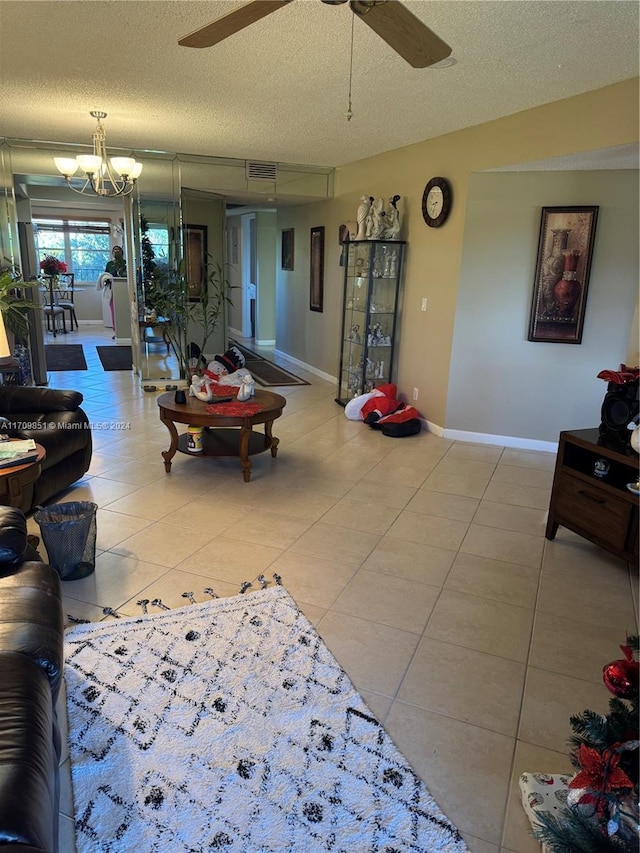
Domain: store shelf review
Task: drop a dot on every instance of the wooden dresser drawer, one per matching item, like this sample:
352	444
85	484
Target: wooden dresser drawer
589	508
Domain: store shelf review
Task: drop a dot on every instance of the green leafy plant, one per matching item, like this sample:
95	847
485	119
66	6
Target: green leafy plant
14	305
207	310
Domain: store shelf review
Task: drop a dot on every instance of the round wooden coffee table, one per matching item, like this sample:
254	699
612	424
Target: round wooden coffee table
15	478
221	435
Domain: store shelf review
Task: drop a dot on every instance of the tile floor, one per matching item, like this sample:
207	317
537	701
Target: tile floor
421	561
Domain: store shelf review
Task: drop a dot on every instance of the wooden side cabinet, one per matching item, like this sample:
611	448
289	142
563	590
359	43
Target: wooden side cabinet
598	505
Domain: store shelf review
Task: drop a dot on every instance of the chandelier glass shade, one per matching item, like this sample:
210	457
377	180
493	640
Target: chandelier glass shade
104	176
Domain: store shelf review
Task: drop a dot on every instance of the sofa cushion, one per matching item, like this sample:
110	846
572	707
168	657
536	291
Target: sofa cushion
29	782
13	541
35	400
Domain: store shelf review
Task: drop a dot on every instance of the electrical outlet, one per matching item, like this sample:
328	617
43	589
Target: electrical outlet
415	394
423	306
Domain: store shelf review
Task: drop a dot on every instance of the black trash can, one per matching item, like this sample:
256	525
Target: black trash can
69	535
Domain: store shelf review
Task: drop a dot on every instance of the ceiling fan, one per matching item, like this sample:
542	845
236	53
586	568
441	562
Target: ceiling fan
392	21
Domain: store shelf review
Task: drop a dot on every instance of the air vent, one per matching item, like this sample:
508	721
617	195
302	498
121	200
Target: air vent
257	171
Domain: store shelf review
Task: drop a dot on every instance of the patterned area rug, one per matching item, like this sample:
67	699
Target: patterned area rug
229	726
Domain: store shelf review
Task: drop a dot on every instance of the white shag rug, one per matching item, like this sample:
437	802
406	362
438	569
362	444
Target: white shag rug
229	726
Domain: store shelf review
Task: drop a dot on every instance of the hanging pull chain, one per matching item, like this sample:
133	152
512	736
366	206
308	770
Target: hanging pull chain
349	112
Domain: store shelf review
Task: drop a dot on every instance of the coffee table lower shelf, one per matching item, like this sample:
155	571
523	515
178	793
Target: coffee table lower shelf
226	442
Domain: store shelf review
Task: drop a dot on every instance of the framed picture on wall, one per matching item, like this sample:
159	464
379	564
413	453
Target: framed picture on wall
316	286
195	260
563	266
287	248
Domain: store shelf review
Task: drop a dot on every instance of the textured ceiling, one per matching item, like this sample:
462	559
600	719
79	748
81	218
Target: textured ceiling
278	90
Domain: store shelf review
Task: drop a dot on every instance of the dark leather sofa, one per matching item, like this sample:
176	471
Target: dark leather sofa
55	420
31	669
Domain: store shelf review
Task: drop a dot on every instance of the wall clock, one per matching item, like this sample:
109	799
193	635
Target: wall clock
436	202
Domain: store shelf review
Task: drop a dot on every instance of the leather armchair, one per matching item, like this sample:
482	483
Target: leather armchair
31	667
55	420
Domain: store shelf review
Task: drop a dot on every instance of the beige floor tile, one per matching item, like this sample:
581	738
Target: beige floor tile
351	547
170	588
150	503
428	530
66	835
456	484
500	581
507	545
476	452
390	495
387	599
116	579
410	560
66	791
378	705
470	686
582	562
325	483
76	609
512	493
528	759
529	459
267	528
567	646
400	472
303	503
477	845
443	505
374	656
461	466
369	517
137	472
481	624
230	560
206	513
457	761
509	517
594	602
314	614
97	490
549	700
519	476
164	544
114	527
312	580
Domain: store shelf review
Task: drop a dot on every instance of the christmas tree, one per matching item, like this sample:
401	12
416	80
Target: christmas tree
602	815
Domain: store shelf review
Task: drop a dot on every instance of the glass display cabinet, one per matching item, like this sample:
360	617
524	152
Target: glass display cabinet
369	313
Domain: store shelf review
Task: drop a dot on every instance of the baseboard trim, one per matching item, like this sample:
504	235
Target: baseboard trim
511	441
320	373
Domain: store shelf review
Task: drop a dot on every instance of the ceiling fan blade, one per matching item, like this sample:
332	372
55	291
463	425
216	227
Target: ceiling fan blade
232	23
402	31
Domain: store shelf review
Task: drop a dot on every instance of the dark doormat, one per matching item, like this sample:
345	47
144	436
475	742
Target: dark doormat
267	373
65	357
115	358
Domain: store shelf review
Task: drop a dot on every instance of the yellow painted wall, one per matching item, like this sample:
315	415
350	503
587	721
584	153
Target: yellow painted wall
604	118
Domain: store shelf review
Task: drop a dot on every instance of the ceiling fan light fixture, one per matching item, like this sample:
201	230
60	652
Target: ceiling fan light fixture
106	177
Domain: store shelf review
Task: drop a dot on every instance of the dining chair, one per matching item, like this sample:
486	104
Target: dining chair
52	310
65	297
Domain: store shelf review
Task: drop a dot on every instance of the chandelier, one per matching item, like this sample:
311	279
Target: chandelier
104	176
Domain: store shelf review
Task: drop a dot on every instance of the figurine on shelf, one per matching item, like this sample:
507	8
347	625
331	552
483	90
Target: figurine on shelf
375	220
363	212
354	334
392	219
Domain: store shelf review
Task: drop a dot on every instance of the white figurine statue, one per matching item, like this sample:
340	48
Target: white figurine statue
375	220
363	212
392	223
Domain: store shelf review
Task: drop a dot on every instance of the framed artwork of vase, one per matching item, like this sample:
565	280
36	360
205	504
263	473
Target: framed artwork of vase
316	285
563	266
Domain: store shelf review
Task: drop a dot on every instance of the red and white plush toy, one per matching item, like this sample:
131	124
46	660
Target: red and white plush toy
225	370
381	409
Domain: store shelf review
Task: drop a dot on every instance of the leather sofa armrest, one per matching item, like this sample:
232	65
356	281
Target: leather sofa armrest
26	399
13	537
